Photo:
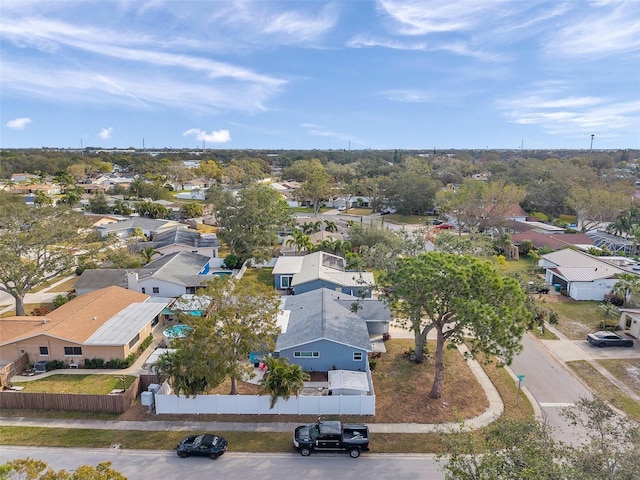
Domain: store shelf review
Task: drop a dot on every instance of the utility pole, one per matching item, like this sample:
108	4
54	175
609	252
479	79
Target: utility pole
591	147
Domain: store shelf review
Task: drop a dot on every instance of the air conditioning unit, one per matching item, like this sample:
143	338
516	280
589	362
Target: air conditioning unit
154	388
146	399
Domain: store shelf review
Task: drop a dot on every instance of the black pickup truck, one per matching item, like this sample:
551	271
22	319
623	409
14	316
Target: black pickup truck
331	436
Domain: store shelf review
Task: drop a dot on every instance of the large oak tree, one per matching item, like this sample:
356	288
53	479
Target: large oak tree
239	317
36	243
463	299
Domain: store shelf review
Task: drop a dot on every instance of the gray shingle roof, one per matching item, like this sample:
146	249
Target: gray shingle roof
317	315
184	236
179	267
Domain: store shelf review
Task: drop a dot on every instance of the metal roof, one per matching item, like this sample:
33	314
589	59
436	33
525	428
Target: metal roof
122	327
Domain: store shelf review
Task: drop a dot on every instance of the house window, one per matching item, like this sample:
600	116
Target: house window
73	351
156	290
134	340
191	290
285	281
306	354
44	351
143	290
357	356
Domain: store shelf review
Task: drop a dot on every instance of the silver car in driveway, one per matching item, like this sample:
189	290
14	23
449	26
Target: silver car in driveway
608	339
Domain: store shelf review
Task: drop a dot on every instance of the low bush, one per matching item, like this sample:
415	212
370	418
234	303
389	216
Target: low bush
114	363
614	299
55	365
145	343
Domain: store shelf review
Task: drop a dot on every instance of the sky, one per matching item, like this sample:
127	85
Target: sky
310	74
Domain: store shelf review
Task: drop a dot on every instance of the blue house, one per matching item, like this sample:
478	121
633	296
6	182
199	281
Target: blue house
321	270
320	332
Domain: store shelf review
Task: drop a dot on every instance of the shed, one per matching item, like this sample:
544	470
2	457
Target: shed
347	382
155	355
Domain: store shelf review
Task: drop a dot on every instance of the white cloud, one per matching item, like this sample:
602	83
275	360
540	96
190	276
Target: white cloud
609	28
105	133
18	123
417	17
124	87
407	96
216	136
561	114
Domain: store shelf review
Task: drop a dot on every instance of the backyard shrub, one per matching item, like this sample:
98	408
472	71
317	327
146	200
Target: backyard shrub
232	261
145	343
553	318
608	326
62	299
55	365
40	311
94	363
614	299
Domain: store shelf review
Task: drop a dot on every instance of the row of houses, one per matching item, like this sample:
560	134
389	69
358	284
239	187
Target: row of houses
332	311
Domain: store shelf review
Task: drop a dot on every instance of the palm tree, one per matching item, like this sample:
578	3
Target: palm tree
8	183
283	379
333	246
138	233
71	197
148	253
311	227
121	207
300	240
330	226
634	233
627	284
42	198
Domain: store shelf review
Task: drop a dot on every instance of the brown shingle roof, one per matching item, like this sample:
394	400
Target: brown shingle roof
76	320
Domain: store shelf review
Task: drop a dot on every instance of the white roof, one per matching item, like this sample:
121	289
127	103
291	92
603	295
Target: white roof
348	380
287	265
576	266
155	355
122	327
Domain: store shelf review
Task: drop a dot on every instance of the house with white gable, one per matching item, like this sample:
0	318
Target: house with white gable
582	276
320	270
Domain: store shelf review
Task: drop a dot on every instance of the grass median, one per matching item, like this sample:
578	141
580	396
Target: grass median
401	388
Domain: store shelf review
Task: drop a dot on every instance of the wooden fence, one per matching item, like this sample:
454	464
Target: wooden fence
117	403
13	368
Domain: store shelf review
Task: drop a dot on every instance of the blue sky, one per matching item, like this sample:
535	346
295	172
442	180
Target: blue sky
320	75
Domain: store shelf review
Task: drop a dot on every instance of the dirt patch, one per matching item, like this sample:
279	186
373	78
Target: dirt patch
401	387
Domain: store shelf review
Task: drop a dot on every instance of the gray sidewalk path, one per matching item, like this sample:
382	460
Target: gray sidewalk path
43	296
495	409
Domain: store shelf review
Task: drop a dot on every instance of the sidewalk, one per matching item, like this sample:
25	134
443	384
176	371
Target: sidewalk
43	296
565	350
496	407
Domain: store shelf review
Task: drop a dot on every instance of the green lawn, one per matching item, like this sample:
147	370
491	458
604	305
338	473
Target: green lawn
398	219
262	275
513	266
576	319
81	384
603	386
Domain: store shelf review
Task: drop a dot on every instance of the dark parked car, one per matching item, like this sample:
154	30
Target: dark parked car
205	445
331	436
608	339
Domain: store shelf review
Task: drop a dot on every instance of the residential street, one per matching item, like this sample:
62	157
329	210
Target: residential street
143	465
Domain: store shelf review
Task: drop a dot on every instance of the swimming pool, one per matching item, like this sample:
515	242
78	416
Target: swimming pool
176	331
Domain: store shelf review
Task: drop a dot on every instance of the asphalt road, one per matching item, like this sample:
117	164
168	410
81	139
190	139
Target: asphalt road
551	384
144	465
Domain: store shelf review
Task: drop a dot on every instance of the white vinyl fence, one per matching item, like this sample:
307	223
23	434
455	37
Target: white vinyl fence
168	403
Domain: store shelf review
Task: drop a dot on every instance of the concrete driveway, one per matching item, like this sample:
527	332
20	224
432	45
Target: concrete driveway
571	350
